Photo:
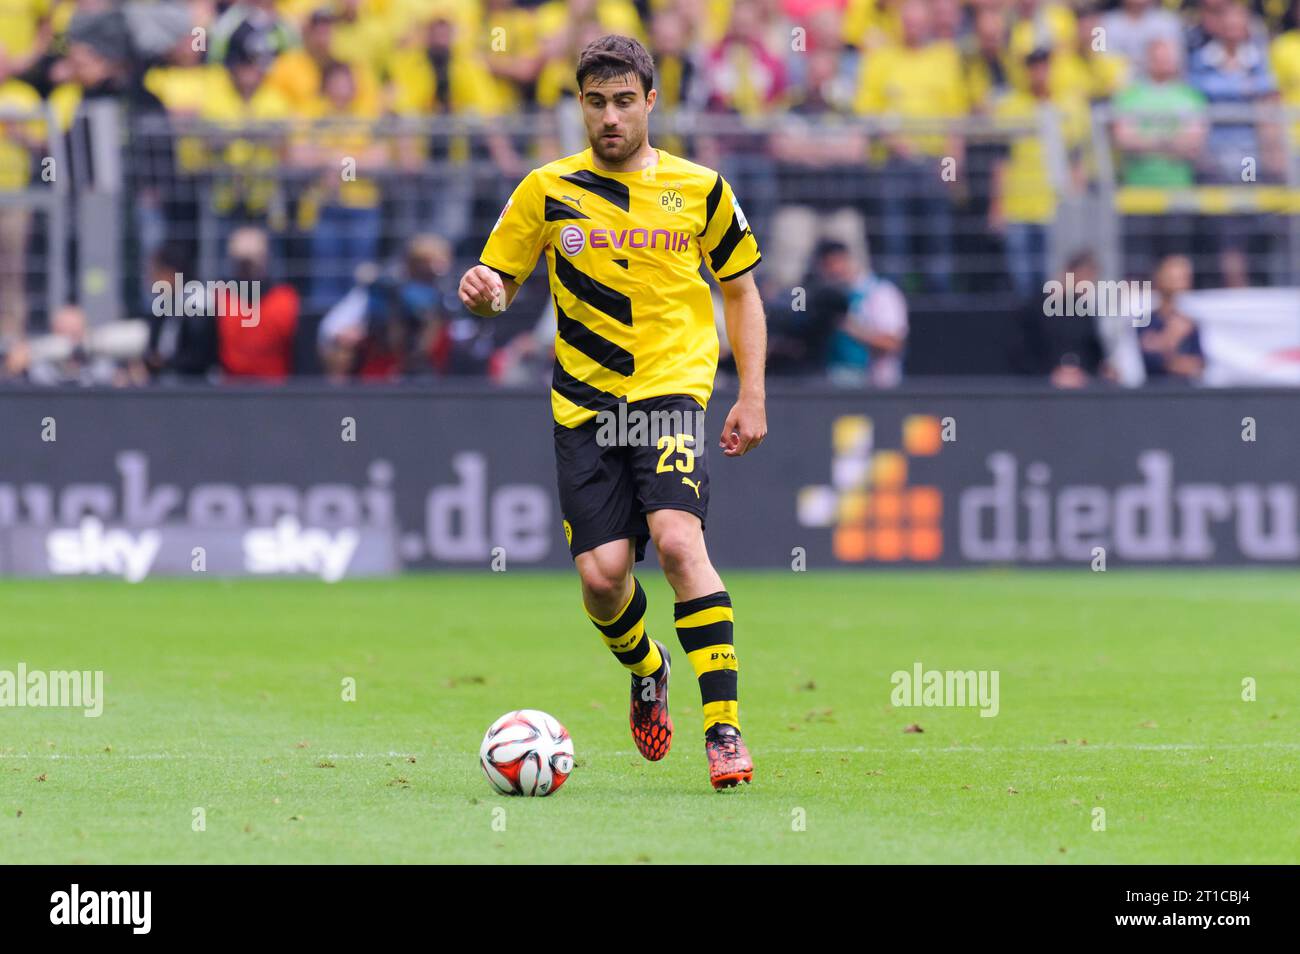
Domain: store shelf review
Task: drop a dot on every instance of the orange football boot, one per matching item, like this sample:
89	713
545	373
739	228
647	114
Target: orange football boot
729	761
652	726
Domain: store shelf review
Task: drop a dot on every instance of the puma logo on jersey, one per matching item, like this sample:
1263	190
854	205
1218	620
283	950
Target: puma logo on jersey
577	201
693	485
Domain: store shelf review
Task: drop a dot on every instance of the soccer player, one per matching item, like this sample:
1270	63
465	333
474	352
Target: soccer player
624	228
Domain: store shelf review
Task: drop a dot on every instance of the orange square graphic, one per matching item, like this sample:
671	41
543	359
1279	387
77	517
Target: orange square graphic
851	435
888	509
924	543
854	506
888	543
922	436
924	505
888	469
851	544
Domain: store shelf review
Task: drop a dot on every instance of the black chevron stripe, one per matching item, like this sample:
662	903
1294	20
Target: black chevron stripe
711	203
579	392
557	210
620	261
611	190
596	347
730	239
596	294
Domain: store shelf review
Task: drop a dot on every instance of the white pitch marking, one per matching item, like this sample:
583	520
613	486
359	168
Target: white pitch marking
1058	747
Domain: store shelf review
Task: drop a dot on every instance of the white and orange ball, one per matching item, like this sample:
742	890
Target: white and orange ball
526	752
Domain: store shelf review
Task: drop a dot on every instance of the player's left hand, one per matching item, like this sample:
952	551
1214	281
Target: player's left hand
745	428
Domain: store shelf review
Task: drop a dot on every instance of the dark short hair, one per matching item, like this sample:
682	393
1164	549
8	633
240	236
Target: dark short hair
611	56
1039	54
829	247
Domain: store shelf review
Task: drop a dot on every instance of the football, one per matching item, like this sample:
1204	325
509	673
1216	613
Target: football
526	752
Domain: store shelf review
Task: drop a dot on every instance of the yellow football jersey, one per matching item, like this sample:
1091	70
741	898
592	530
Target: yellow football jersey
635	317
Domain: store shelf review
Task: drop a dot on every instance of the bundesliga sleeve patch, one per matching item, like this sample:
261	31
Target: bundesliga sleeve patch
504	210
740	215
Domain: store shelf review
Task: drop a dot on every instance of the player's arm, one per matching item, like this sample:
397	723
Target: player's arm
511	251
742	307
485	292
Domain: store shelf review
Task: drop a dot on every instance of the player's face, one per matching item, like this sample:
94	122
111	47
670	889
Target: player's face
617	115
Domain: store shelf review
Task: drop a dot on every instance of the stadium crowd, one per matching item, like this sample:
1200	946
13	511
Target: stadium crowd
241	113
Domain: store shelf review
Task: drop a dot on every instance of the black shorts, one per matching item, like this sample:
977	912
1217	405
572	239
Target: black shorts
614	469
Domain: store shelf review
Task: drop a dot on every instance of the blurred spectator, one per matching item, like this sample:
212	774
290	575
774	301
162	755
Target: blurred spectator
984	60
866	347
1040	25
367	31
1234	269
746	77
916	79
946	23
822	25
1027	183
1067	350
819	163
678	73
100	65
1285	59
1171	345
296	73
443	77
67	355
260	15
1087	67
800	338
179	344
1208	24
387	326
341	210
1135	25
181	79
255	342
1160	123
1160	128
240	99
514	76
26	29
745	70
1233	68
871	24
20	140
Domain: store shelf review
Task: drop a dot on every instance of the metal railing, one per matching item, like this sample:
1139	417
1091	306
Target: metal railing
34	219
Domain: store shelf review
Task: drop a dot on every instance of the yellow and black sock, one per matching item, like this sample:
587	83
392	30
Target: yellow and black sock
704	628
626	637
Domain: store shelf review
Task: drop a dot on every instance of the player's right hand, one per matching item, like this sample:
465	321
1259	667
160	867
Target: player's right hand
482	291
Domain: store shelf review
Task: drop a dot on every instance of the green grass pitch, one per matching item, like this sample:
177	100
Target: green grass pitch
1120	691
